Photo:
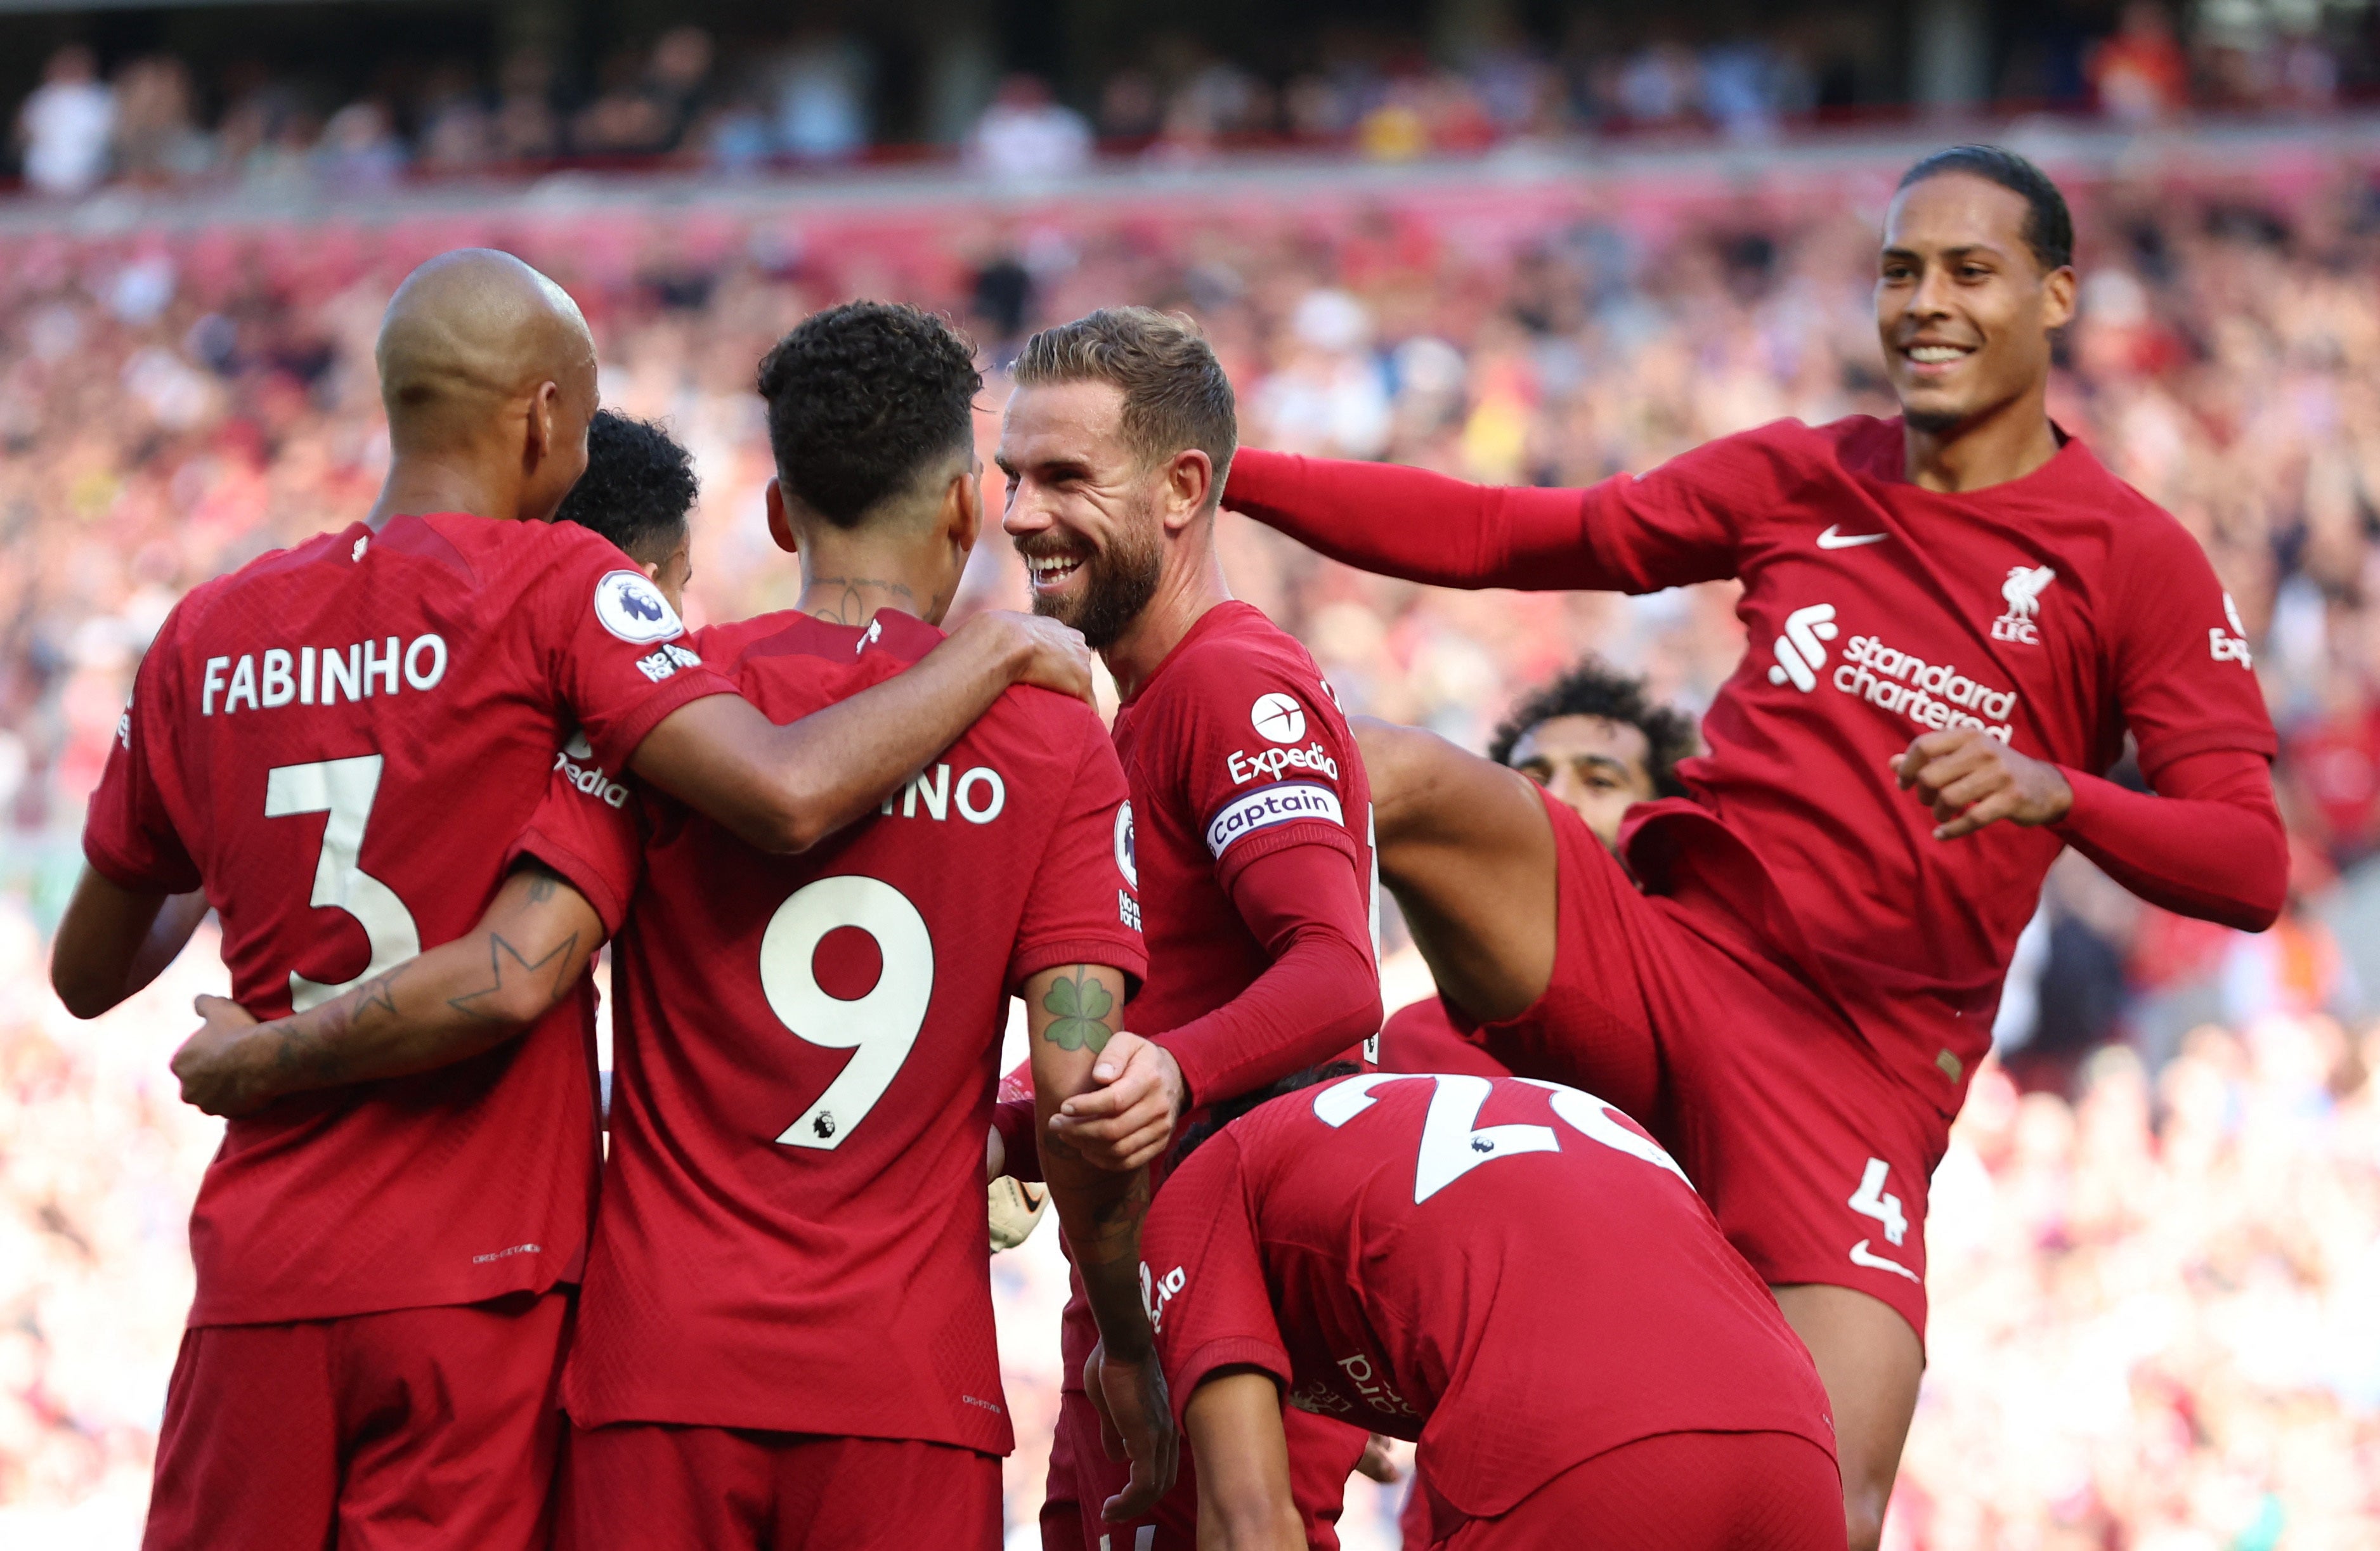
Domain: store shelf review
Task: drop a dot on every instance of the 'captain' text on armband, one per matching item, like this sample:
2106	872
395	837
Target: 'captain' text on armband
321	675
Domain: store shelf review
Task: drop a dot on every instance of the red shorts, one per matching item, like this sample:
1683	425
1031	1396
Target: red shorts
414	1428
1322	1454
1678	1492
655	1487
1813	1157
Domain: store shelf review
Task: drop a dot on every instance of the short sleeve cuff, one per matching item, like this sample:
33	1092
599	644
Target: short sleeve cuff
1118	953
175	875
616	746
577	870
2245	737
1225	1351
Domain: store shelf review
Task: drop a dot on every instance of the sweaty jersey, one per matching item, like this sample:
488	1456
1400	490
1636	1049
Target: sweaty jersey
2052	613
790	1235
339	743
1508	1271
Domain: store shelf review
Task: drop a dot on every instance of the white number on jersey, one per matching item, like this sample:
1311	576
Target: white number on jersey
344	790
1452	1141
1870	1201
881	1026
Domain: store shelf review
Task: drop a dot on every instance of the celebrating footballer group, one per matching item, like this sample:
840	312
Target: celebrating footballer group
1625	1227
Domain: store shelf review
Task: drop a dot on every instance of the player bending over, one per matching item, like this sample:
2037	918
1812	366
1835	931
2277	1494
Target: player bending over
1509	1272
1596	744
1955	618
339	744
1249	808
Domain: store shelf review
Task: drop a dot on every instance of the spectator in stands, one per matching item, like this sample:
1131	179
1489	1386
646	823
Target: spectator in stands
2140	76
63	128
1028	134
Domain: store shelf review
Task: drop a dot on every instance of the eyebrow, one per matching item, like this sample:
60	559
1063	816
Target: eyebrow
1962	251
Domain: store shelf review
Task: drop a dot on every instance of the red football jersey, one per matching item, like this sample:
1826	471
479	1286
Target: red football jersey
340	742
791	1233
1421	1036
2053	612
1511	1272
1233	747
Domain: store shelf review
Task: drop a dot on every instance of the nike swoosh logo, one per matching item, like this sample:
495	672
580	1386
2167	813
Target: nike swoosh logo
1831	539
1860	1256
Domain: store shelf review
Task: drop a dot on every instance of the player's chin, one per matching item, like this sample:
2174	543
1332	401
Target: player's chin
1927	408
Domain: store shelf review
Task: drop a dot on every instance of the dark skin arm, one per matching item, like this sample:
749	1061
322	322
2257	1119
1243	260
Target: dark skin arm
785	788
114	940
1241	1453
1072	1012
453	1002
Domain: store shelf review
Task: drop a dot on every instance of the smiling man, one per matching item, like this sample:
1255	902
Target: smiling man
1955	617
1248	834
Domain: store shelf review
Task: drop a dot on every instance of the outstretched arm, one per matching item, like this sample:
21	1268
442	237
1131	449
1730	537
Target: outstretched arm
785	788
1467	849
1072	1012
451	1003
1242	1455
114	941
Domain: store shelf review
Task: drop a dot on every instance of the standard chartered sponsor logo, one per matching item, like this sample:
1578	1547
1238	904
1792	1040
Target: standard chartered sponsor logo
1933	695
1800	651
1267	805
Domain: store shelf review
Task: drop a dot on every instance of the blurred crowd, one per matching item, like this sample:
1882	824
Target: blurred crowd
822	97
2157	1253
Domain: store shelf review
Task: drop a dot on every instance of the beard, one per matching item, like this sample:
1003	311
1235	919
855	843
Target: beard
1116	586
1933	422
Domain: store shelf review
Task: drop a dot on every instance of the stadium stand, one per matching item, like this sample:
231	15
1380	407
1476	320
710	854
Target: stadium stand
2156	1238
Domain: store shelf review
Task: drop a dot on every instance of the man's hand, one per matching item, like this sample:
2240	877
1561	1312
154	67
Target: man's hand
217	1065
1972	778
1046	653
1376	1463
1126	1123
1135	1422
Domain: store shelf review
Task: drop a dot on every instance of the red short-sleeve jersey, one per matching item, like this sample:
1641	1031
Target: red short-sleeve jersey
339	741
791	1233
2053	612
1508	1271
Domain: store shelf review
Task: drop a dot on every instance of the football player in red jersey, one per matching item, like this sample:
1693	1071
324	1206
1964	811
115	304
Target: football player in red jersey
1249	805
785	1335
1597	744
1956	616
338	743
1512	1274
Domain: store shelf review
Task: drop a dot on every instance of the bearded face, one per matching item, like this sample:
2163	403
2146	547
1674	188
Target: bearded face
1099	587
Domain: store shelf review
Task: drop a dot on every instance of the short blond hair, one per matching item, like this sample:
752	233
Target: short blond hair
1175	395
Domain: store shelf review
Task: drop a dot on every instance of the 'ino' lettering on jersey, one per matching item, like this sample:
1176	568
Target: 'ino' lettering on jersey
979	794
319	675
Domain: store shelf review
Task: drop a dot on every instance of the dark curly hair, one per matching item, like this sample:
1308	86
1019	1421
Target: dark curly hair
861	398
1221	1114
1593	687
637	488
2048	228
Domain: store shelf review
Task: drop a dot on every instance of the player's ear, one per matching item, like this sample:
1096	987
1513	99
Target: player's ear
542	406
780	528
1188	481
963	507
2057	296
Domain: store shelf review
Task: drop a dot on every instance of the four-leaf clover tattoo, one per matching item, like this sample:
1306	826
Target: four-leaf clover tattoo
1082	1006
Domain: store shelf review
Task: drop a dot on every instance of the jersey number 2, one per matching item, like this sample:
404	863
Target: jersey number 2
344	790
880	1028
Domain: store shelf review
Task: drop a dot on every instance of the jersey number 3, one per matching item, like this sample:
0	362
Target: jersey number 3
344	790
880	1028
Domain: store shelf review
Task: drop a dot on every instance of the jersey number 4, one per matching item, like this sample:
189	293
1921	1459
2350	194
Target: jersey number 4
1453	1142
880	1028
344	790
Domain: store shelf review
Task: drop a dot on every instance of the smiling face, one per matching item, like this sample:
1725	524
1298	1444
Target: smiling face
1964	308
1592	765
1083	506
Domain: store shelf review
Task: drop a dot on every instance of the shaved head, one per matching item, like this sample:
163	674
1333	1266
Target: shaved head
482	356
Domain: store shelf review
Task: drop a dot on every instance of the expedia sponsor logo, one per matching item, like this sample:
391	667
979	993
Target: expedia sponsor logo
1934	695
1266	807
1156	1292
587	777
2232	647
1271	764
